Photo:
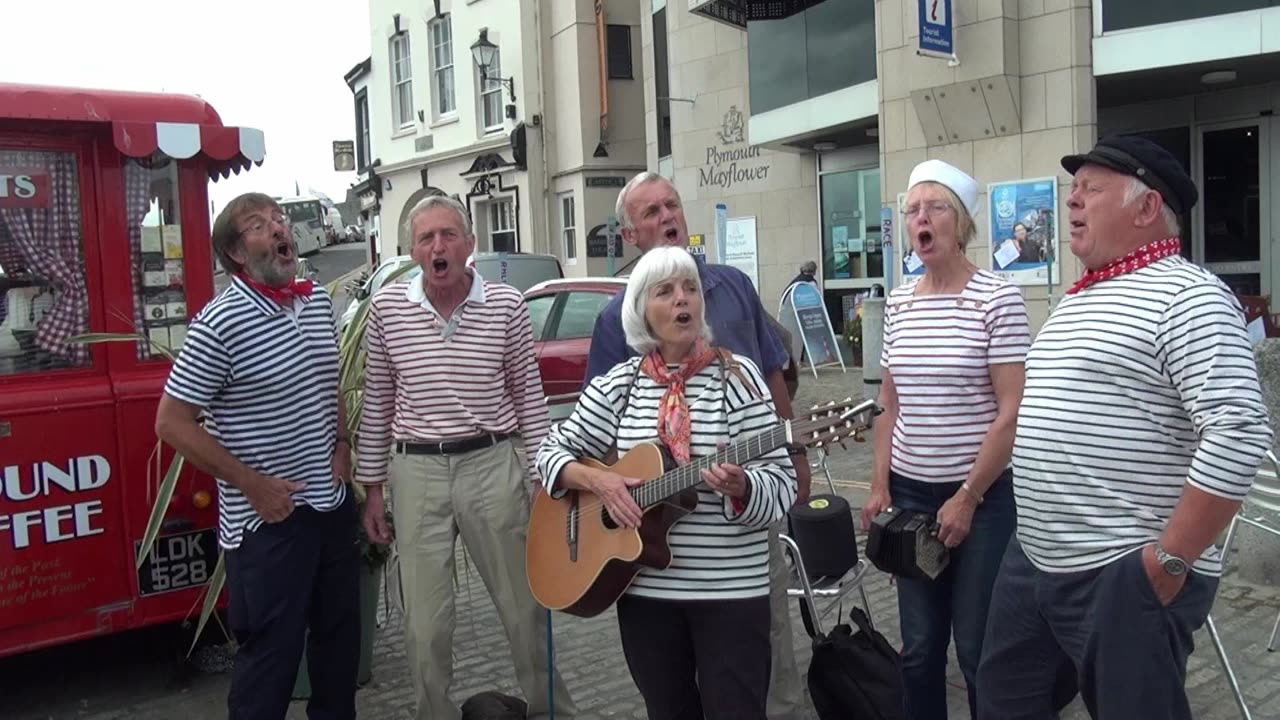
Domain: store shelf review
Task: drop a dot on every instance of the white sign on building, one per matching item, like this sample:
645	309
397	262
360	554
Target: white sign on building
740	249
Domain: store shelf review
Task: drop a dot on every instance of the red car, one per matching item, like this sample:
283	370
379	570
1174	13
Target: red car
564	314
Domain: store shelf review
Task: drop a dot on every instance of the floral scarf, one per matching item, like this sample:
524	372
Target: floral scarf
674	426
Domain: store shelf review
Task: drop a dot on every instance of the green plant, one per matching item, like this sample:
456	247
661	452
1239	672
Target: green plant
853	334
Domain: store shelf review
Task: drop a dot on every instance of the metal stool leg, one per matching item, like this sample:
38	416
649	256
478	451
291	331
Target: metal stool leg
1271	644
1226	667
826	471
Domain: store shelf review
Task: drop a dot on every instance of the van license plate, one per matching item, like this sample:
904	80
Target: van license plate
178	561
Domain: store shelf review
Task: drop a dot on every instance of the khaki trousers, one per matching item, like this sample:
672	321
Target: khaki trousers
482	496
786	694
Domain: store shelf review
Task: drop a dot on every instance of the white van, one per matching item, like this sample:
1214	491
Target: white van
519	270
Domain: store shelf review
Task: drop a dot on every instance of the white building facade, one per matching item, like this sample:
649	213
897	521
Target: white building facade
805	118
532	147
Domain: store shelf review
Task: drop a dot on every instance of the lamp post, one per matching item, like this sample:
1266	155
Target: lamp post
483	52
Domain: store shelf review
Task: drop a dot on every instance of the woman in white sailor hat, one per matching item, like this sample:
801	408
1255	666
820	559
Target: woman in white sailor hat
951	371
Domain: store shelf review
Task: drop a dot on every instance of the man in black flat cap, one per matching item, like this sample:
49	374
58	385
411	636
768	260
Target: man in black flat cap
1140	431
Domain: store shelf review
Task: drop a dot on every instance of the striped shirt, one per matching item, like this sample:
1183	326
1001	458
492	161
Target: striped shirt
267	380
1135	387
427	379
938	350
717	554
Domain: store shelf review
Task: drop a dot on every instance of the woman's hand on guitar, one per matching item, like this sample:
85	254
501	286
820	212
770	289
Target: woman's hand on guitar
727	479
612	489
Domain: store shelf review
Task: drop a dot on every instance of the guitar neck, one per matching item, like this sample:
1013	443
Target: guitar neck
687	476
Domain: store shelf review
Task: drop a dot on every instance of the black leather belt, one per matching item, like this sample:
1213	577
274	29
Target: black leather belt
449	447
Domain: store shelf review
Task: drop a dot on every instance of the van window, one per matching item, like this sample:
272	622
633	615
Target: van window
155	242
45	299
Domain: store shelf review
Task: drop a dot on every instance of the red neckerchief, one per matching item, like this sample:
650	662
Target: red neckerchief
282	295
674	425
1133	262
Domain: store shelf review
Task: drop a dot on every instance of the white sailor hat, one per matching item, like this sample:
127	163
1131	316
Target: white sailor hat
959	182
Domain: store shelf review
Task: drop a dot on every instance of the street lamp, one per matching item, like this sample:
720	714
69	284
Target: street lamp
483	52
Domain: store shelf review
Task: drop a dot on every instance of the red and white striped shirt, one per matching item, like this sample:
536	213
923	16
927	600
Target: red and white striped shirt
939	349
428	380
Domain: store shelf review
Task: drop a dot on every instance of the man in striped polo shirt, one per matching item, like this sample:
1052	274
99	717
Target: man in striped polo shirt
451	378
651	214
260	366
1140	432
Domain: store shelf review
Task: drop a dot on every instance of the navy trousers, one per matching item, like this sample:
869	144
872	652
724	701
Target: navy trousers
1104	628
698	659
291	584
956	602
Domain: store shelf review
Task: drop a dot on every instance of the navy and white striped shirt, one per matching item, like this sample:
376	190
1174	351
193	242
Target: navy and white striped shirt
1136	387
267	380
717	554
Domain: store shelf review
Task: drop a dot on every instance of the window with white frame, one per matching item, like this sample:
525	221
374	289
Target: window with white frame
401	82
364	146
442	66
502	226
491	94
568	227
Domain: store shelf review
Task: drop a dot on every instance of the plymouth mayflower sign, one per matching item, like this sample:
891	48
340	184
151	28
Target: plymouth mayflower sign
733	162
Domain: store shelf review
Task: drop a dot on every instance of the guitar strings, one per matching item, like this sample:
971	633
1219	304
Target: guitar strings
666	484
670	480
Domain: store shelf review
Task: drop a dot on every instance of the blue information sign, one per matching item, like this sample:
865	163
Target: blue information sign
936	28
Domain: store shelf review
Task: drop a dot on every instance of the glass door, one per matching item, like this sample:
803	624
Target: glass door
850	208
1235	175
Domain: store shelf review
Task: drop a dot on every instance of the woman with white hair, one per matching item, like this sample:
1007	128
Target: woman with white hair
951	382
695	634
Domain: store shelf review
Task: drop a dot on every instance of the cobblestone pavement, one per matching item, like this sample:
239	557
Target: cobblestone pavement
130	677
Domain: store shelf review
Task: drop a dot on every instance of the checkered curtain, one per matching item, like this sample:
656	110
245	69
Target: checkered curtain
137	201
11	261
50	241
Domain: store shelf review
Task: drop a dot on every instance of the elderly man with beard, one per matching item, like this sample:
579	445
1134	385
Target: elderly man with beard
451	379
260	369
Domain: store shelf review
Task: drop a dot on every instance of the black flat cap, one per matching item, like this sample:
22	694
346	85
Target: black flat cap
1145	160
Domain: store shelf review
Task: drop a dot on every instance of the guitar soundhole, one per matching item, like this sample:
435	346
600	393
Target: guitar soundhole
607	519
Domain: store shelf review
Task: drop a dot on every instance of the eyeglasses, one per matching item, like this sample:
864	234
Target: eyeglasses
932	208
257	224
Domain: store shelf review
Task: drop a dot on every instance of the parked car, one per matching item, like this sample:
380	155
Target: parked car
564	314
373	282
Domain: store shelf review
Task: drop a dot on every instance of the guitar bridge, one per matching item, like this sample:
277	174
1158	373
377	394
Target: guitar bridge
572	530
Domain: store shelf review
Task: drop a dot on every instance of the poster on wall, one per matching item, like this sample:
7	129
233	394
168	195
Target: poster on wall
740	248
910	266
1024	230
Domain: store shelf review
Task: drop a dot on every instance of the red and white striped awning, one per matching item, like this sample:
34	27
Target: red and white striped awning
229	149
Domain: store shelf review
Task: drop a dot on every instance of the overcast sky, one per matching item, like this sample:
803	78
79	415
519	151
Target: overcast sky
275	65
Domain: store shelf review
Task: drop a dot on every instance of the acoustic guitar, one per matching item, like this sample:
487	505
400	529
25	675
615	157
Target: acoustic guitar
580	562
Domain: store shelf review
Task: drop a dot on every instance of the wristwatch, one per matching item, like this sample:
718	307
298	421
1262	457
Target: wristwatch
1172	564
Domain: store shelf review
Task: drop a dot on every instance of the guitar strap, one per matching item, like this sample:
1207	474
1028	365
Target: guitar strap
611	456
